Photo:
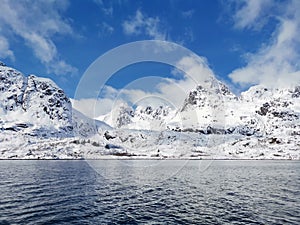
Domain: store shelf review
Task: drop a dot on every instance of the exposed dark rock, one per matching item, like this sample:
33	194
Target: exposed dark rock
296	93
108	136
264	109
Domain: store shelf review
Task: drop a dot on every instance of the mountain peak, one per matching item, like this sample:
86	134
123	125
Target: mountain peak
33	100
2	64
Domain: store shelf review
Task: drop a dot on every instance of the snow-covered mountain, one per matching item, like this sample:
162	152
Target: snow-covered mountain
37	121
208	105
278	109
203	107
140	118
260	123
33	102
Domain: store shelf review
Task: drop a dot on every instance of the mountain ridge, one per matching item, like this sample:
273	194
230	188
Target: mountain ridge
212	123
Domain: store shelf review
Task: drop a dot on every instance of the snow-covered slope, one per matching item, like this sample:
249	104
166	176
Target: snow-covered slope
86	127
33	102
278	109
208	105
141	118
37	121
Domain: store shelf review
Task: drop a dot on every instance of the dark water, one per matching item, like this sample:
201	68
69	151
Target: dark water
149	192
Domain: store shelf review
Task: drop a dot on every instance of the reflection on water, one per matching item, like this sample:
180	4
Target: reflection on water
159	192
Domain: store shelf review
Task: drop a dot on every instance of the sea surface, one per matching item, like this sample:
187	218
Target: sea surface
149	192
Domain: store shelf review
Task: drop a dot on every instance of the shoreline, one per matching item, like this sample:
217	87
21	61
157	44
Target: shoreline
150	159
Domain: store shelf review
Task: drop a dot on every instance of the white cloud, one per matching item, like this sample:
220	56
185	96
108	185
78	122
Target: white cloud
196	68
190	72
276	63
108	11
5	51
165	91
105	29
37	22
141	24
106	7
94	108
61	67
249	13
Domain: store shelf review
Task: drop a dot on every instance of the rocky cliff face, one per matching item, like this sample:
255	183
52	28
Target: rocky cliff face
33	102
279	109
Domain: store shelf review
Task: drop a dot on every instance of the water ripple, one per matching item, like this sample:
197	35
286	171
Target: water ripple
71	192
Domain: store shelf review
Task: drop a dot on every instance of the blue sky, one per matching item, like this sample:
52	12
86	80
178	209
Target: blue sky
244	42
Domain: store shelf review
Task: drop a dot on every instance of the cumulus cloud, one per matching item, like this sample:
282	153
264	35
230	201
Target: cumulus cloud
142	24
276	63
94	108
195	68
37	22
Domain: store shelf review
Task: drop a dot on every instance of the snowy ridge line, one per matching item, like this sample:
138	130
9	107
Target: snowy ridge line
37	121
